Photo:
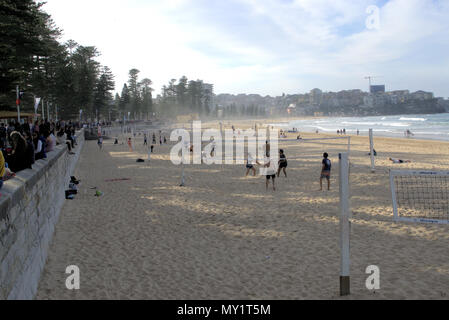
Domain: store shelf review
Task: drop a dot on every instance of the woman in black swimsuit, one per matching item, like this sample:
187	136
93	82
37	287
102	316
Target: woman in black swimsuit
282	163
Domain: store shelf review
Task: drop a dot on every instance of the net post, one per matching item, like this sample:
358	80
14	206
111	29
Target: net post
344	225
393	197
349	145
371	146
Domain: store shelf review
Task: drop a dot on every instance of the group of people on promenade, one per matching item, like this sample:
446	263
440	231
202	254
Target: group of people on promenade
22	145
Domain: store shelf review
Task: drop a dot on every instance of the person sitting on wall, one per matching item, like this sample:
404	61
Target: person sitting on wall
69	137
30	148
19	158
61	138
39	146
50	141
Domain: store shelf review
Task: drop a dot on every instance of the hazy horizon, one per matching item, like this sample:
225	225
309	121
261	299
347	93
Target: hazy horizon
267	48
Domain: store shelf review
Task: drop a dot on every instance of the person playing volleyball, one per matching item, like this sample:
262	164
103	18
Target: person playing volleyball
269	170
326	172
282	163
250	165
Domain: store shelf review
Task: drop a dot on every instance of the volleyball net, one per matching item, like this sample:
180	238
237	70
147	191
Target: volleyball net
420	196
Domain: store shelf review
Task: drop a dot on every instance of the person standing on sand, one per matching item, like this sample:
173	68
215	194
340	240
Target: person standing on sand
250	165
326	172
282	163
145	140
270	171
130	145
100	142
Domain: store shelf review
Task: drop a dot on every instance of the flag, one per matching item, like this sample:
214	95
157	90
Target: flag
19	97
36	104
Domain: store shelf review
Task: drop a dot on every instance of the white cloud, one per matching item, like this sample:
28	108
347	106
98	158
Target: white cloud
317	43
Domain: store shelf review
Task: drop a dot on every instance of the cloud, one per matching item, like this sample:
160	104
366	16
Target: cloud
266	47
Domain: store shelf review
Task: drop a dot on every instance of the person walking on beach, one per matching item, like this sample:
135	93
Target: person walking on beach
145	140
326	172
100	142
282	163
250	165
130	145
269	170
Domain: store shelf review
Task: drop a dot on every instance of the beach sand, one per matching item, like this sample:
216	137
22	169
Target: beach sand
223	236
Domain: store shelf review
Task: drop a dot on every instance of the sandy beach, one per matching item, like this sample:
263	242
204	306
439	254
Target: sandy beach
223	236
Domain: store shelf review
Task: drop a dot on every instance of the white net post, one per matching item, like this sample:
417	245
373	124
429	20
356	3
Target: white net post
183	180
344	225
393	197
371	146
349	145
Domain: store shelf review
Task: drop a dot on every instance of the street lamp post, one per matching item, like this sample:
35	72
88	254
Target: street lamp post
18	103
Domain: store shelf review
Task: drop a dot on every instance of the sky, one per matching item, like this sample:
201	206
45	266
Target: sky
267	47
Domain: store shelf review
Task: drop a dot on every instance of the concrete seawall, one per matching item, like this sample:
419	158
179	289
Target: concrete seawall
30	205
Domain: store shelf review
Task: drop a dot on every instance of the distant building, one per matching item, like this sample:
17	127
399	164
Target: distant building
377	89
316	96
422	95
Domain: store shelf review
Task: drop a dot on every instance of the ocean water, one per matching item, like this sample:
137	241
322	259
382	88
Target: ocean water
432	126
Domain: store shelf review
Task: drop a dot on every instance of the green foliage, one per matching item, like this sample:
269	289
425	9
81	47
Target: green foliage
185	97
66	75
